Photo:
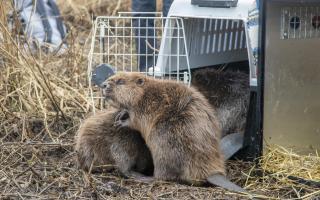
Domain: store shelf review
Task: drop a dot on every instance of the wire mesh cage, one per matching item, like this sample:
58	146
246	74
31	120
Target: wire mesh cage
140	42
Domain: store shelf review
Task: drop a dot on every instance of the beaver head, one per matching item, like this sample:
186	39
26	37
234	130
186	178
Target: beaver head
125	89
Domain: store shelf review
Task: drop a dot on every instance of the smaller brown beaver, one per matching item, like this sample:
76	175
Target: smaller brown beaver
99	142
227	91
177	123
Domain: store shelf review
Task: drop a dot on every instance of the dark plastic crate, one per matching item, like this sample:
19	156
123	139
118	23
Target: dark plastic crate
215	3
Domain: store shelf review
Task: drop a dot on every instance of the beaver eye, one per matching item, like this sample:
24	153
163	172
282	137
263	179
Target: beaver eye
140	81
120	82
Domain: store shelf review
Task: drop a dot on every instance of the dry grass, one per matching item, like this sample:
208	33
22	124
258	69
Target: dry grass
43	98
282	160
284	174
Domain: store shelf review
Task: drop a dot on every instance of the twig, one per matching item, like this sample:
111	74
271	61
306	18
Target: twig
48	186
36	144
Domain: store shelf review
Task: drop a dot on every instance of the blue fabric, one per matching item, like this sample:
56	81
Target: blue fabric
44	25
146	32
150	6
166	6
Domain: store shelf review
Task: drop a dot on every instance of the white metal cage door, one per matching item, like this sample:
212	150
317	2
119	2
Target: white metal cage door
128	43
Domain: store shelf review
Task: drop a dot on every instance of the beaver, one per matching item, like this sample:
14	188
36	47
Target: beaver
177	123
100	142
227	91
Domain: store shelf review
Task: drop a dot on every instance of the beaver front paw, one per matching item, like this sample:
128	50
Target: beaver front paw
122	119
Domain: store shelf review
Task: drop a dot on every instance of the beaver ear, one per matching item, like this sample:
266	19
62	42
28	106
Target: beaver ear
140	81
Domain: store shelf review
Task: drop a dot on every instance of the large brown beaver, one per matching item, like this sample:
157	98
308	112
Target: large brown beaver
99	142
228	92
178	124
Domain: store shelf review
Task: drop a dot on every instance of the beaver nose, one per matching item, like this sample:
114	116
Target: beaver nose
107	88
105	85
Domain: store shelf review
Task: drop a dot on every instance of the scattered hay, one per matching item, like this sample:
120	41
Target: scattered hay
281	173
279	161
43	98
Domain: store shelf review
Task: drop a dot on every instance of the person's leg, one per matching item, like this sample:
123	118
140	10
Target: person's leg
143	5
144	30
165	7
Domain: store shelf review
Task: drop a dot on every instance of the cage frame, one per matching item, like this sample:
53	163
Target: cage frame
158	72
